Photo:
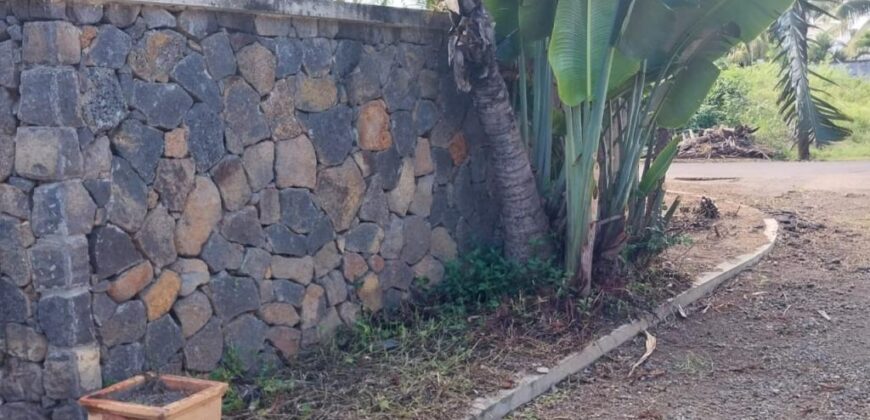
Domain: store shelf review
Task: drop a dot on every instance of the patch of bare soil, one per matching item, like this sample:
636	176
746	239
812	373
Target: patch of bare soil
710	239
152	392
434	363
788	339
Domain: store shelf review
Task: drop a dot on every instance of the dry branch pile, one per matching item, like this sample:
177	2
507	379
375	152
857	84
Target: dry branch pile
720	143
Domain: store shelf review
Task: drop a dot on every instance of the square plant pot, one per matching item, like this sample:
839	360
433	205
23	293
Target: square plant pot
202	402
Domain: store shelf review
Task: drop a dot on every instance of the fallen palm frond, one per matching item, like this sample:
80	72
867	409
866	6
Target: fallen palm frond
651	343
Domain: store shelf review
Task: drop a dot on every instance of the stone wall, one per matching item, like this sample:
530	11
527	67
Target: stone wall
178	183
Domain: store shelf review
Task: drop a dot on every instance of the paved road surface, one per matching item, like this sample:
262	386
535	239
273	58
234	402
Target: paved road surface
774	178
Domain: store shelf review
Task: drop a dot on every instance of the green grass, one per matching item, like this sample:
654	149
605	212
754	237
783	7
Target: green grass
849	94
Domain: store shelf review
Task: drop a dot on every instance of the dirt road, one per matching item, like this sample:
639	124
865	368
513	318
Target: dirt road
789	339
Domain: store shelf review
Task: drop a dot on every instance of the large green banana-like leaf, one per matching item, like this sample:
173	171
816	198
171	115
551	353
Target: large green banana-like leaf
711	27
530	19
536	19
668	33
649	27
687	93
519	22
504	13
659	168
753	16
581	40
699	33
681	3
688	20
711	44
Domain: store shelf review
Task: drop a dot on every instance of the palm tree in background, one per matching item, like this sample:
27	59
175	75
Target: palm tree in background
814	120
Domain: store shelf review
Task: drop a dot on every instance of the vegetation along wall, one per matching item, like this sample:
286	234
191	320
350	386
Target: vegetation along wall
179	184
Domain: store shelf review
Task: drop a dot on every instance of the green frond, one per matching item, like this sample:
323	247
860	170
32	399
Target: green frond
812	118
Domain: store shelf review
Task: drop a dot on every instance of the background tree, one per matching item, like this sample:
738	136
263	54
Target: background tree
849	9
813	119
859	43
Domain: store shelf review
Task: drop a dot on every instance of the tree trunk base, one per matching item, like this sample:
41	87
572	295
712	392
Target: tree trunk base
472	46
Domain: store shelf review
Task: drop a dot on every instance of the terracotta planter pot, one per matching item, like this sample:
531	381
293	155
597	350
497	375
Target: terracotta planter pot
203	404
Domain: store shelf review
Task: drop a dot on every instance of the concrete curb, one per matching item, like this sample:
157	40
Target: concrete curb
532	386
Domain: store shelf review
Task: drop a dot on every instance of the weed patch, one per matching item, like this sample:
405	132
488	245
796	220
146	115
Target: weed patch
483	276
429	360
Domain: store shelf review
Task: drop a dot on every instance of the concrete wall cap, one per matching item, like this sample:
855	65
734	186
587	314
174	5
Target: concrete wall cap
315	9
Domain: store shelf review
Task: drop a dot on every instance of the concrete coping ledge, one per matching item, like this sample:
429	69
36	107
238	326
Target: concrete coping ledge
315	9
533	385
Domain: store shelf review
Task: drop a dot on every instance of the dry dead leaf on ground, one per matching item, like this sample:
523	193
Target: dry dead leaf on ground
824	315
651	343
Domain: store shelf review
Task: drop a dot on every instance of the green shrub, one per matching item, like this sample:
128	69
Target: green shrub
483	276
723	106
849	94
820	50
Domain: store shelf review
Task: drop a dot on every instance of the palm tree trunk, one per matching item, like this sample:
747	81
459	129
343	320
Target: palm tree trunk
526	226
803	142
801	84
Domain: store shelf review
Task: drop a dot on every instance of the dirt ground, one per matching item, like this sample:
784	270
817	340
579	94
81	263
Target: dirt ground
706	243
789	339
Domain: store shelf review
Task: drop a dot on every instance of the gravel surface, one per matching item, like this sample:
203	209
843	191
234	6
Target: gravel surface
789	339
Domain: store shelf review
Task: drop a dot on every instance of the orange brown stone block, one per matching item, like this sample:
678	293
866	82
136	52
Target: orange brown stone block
373	126
458	149
131	282
160	297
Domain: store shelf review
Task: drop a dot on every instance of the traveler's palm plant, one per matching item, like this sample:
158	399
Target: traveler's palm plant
622	69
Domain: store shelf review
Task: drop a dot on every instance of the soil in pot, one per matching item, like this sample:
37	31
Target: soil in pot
152	392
